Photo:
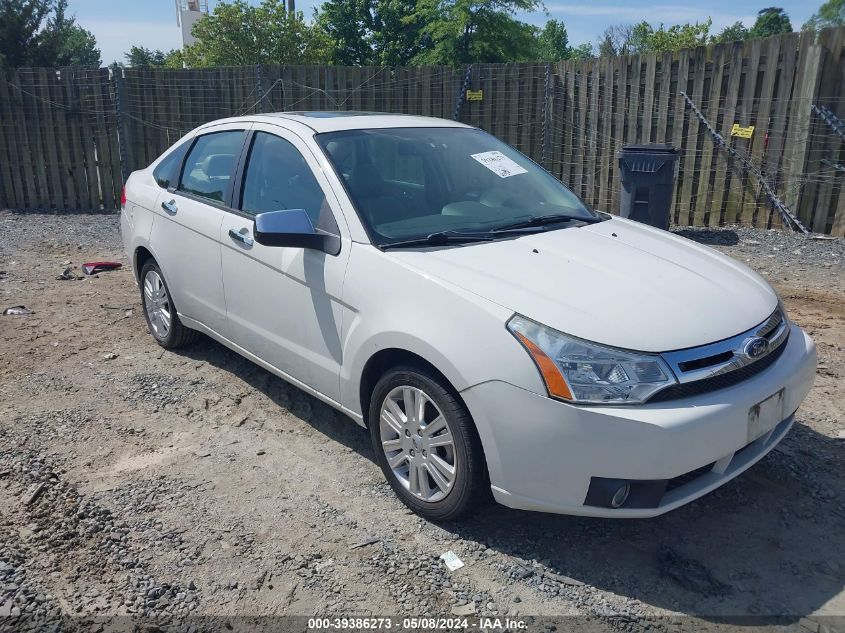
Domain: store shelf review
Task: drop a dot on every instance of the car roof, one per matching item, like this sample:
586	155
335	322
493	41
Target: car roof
324	121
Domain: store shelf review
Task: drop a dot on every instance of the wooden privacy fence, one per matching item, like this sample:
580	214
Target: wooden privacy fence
58	140
69	135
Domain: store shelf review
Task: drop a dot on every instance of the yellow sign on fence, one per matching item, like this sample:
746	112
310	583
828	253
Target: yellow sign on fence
475	95
742	132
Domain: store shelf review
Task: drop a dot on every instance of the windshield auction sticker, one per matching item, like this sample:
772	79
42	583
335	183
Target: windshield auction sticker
499	164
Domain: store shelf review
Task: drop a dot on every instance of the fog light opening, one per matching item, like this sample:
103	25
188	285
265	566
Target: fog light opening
621	495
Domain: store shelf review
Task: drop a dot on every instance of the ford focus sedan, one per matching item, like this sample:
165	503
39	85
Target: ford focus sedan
490	331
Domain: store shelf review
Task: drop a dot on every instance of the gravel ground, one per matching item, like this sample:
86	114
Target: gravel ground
137	483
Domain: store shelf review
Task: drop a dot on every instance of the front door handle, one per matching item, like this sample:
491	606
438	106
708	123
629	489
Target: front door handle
170	207
243	238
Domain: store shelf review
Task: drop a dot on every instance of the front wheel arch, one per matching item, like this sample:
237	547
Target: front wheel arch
383	361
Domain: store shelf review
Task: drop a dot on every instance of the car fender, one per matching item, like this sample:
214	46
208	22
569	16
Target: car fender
389	304
401	341
462	335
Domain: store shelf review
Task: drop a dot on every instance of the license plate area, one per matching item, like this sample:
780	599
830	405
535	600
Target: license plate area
765	415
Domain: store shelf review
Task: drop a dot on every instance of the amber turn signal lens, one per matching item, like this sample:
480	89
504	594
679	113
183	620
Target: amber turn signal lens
555	383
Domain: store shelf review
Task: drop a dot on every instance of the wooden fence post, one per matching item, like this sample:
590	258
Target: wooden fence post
547	115
122	127
803	95
259	90
819	193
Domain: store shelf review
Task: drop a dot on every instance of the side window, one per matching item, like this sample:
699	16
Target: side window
210	165
165	172
277	177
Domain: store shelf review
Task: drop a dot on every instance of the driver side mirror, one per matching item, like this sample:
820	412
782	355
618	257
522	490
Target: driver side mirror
293	227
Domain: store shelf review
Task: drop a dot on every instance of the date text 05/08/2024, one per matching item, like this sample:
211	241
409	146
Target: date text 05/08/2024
410	624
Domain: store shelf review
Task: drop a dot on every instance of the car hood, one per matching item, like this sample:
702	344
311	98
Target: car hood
616	282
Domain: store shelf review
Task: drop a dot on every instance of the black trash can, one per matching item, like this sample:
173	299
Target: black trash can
648	176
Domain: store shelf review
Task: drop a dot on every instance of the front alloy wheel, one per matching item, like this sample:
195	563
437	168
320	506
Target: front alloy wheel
426	443
417	443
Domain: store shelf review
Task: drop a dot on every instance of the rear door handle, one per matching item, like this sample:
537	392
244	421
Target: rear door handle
243	238
170	207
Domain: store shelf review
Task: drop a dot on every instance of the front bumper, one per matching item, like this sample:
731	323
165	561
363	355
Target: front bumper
542	453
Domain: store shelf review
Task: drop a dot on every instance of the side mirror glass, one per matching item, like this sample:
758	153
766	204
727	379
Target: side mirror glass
293	227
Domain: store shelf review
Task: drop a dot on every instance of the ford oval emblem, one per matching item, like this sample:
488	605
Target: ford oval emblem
756	347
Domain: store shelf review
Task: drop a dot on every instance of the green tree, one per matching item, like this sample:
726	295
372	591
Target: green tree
467	31
553	42
582	51
398	35
831	13
40	33
141	57
733	33
370	32
645	39
771	21
78	47
237	34
20	30
641	37
348	28
65	43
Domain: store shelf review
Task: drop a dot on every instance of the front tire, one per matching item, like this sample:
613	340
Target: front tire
160	312
426	444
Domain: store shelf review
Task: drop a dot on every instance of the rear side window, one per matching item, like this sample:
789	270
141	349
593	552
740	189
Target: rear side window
210	165
166	172
277	178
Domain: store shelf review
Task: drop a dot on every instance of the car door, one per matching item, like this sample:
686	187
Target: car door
186	230
283	303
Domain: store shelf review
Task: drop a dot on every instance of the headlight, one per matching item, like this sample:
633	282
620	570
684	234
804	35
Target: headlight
583	372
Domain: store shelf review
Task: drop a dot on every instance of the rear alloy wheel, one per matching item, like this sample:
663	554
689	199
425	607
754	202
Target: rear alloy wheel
426	444
157	305
159	311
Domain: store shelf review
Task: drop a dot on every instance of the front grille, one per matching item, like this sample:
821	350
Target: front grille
714	383
771	325
707	361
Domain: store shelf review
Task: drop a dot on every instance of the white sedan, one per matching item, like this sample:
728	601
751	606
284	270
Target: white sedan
448	294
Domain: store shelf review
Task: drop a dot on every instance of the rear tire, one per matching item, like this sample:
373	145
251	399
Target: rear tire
432	458
160	311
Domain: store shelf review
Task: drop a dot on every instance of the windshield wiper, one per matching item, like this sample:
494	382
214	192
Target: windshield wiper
542	220
442	238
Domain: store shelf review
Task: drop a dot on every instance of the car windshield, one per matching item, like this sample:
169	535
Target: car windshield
410	183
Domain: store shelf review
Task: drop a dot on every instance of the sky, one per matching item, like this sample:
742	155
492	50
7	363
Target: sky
119	24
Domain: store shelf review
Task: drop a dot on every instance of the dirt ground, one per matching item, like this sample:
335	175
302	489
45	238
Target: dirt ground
135	481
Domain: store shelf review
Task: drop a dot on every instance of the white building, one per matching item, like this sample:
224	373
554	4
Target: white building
188	12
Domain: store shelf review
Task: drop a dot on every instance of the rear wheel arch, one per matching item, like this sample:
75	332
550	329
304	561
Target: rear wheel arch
141	257
160	312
